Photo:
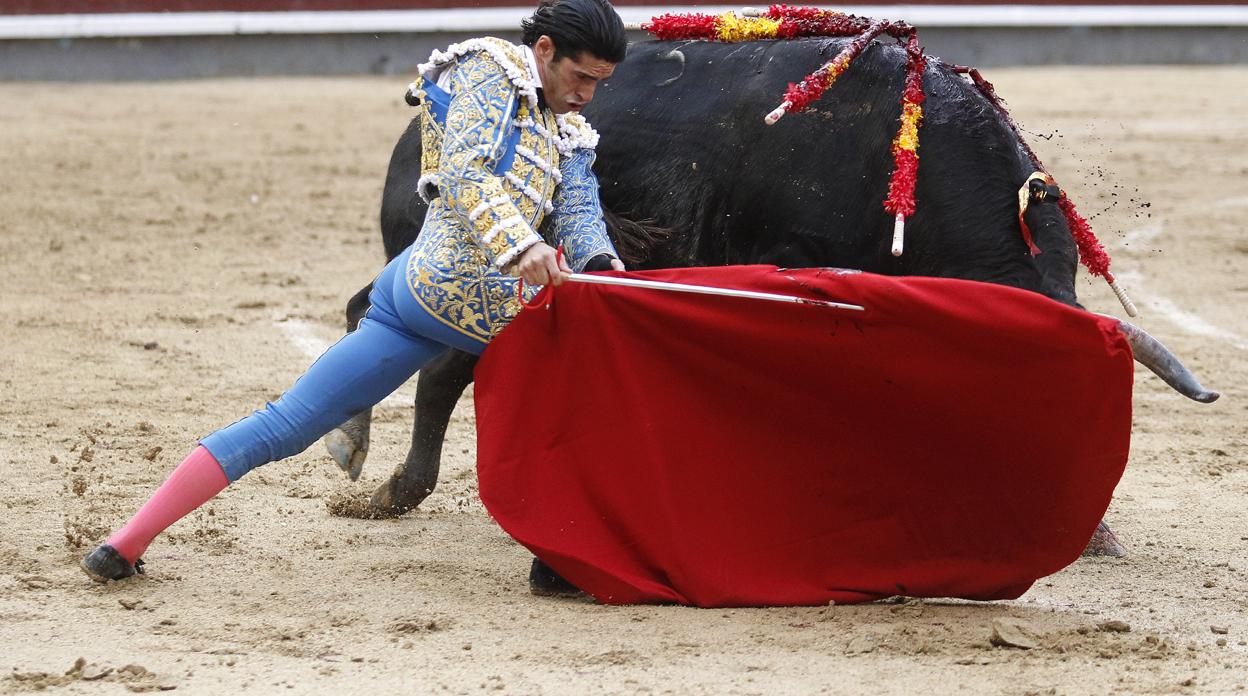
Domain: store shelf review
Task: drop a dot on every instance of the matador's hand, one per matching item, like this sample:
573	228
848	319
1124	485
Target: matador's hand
541	265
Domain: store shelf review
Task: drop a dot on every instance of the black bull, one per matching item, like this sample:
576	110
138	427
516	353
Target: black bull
684	148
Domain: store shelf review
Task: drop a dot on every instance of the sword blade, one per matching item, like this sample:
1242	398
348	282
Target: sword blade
707	290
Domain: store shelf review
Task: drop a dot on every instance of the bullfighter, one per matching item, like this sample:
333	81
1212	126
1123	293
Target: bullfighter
506	158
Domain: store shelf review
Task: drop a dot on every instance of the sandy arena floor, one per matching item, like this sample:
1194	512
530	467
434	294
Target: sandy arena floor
171	252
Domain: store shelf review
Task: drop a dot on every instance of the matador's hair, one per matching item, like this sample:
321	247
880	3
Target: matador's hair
578	25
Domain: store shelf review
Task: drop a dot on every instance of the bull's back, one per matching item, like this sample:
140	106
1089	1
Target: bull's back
684	142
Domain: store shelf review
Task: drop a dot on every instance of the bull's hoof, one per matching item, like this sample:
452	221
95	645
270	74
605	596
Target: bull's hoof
1104	543
104	563
392	499
545	582
348	449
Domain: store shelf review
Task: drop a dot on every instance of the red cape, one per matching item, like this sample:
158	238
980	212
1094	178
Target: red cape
956	439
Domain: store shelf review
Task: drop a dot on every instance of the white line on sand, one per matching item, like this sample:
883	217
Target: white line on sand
1185	320
309	339
1232	202
303	337
1135	239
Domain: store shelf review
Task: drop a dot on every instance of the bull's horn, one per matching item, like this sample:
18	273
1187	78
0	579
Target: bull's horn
1156	357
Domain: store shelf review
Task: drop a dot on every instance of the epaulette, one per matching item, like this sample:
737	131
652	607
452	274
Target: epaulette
506	54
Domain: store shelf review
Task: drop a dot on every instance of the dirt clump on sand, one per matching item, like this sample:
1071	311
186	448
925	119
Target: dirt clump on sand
353	503
175	254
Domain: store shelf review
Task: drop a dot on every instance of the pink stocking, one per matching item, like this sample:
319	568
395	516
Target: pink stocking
196	480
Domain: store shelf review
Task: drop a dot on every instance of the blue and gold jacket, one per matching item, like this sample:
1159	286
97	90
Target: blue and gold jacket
494	164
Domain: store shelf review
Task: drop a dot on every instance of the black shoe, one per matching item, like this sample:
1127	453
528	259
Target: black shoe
105	563
545	582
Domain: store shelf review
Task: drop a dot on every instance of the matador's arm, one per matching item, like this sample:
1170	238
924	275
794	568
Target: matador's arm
578	224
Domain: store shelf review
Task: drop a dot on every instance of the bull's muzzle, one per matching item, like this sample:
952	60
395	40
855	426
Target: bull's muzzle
1152	354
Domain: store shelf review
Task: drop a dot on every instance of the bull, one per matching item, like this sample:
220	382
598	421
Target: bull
684	149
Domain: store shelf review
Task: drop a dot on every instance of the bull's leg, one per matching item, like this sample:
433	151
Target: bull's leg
348	443
1104	543
441	383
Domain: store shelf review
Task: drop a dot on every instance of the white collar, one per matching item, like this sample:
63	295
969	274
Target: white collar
530	59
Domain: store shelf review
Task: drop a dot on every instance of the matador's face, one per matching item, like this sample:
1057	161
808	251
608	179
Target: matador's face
569	83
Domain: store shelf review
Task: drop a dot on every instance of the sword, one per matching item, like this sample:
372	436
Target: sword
706	290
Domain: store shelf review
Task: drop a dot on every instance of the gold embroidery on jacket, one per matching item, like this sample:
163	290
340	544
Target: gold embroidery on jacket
480	218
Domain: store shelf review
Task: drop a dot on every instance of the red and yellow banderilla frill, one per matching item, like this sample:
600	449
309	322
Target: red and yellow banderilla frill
787	22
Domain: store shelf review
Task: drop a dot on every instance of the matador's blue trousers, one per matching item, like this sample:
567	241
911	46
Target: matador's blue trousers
395	338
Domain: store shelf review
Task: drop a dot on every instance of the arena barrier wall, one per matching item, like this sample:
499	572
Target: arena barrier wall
178	45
